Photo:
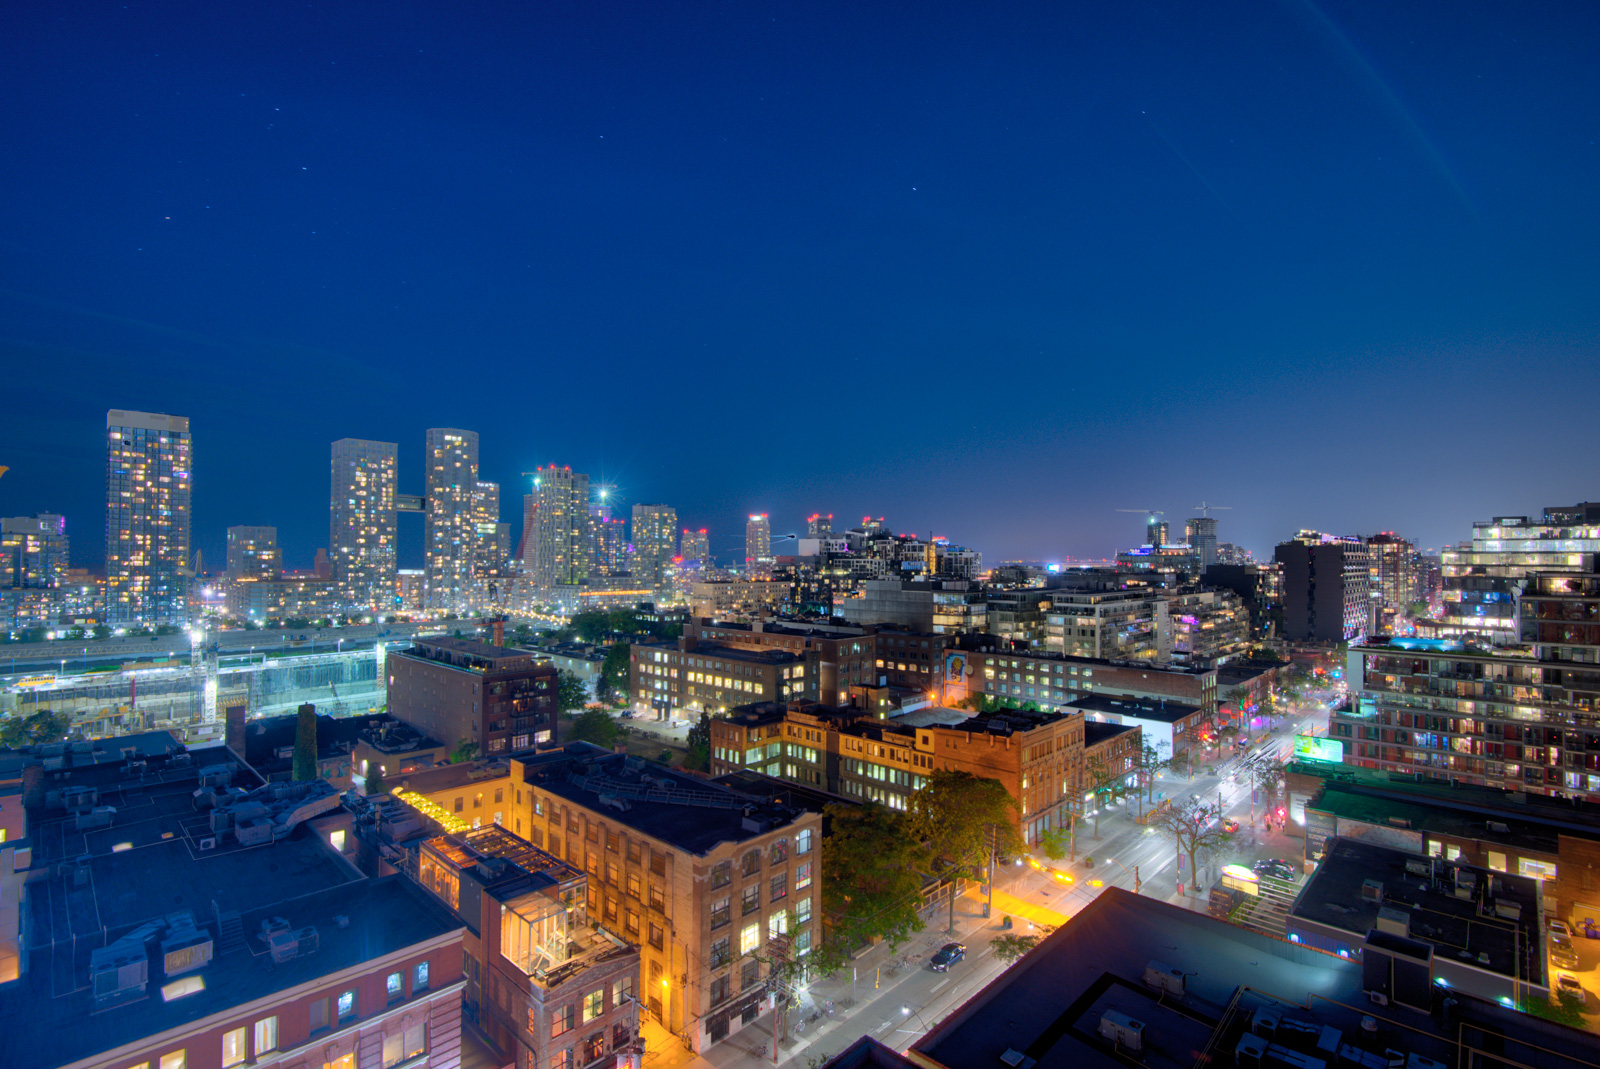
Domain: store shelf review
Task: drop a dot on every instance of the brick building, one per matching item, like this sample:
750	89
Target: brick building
179	918
455	690
713	677
712	883
1040	758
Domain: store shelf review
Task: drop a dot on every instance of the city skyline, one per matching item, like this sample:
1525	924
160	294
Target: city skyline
1077	261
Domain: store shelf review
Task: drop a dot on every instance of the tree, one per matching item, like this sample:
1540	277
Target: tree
1105	784
871	880
612	682
1196	831
596	726
374	780
571	693
35	728
465	751
964	820
305	744
699	740
1054	843
1009	947
591	626
1152	763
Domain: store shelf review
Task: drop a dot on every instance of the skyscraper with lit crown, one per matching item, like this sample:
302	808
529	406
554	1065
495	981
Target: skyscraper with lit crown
149	483
758	558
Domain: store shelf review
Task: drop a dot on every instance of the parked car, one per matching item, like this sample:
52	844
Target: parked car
1563	953
947	956
1567	986
1560	928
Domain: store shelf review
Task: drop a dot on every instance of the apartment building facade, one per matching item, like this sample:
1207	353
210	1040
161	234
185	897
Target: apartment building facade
1130	625
1483	578
1050	679
1040	758
713	885
455	690
711	677
839	657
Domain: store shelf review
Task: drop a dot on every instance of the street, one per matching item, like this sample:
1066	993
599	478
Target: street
898	1004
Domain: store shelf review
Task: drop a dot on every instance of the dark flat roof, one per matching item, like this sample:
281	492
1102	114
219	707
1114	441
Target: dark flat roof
1048	1006
708	815
1456	928
767	655
1426	815
1140	708
46	1024
1096	732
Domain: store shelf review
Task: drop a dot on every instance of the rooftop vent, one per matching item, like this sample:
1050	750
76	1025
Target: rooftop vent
1371	890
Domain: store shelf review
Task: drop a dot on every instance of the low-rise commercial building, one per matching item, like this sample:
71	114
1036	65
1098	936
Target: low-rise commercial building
838	656
1183	731
1050	679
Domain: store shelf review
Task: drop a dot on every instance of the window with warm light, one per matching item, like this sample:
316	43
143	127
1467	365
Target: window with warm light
266	1035
234	1051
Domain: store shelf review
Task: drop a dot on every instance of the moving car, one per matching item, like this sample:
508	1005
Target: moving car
1230	825
947	956
1276	867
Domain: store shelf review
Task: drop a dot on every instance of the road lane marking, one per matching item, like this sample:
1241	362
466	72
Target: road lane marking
941	983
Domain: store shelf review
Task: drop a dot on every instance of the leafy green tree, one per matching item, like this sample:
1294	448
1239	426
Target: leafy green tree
596	726
699	740
103	631
591	626
305	744
375	785
1054	843
871	880
612	683
465	751
571	693
964	820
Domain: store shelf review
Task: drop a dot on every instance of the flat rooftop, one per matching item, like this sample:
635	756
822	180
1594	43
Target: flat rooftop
693	814
1138	708
1456	928
1096	731
1050	1005
158	856
468	652
729	653
1423	814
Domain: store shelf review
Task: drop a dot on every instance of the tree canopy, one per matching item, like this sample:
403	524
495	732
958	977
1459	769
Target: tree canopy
571	692
960	816
871	880
305	744
1196	830
698	758
596	726
612	683
43	726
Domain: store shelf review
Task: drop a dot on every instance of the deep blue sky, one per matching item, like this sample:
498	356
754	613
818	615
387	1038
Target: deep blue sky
987	269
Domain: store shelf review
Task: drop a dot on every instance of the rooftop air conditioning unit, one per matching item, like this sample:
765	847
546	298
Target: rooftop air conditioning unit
1122	1030
1164	978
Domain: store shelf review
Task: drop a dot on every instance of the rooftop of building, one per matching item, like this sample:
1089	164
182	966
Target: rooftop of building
995	646
120	847
1420	814
269	741
453	776
468	653
799	628
685	811
1093	705
582	651
1049	1007
1235	673
700	648
1339	895
1533	818
782	792
1095	731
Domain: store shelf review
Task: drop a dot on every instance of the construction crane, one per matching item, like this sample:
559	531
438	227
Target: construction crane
1206	510
1147	512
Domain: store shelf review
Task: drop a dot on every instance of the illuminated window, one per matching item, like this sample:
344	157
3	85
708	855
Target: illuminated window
347	1005
561	1021
750	938
178	1059
394	985
594	1004
233	1048
266	1035
420	981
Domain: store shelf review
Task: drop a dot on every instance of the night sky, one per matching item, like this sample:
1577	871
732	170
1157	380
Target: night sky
989	270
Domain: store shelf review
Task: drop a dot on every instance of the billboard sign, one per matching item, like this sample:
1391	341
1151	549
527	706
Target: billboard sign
1318	748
